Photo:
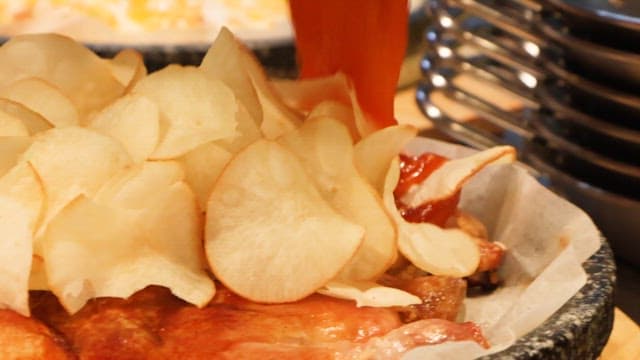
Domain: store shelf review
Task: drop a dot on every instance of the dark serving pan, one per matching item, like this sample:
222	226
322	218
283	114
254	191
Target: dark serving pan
586	165
614	67
604	135
594	98
614	24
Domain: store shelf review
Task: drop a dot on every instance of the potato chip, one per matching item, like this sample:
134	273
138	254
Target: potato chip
166	206
11	148
43	98
21	199
38	276
12	126
246	132
161	229
277	117
268	230
75	70
202	166
374	153
324	148
135	187
446	180
367	293
450	252
307	94
338	111
94	250
194	109
363	122
33	121
134	121
230	61
128	68
72	161
223	61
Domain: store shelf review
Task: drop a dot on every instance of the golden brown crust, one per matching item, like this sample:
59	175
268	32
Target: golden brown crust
153	324
27	338
442	296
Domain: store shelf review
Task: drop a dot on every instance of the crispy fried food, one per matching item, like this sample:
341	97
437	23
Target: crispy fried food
491	253
423	332
153	324
27	338
441	296
110	328
304	327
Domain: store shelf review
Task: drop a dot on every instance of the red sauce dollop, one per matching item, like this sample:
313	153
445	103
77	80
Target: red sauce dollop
413	171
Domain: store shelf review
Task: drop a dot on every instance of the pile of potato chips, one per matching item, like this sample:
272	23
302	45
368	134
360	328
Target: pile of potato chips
112	179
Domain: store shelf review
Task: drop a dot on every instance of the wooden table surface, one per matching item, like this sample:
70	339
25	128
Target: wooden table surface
624	341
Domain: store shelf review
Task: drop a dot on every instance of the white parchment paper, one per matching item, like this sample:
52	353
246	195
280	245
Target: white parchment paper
547	240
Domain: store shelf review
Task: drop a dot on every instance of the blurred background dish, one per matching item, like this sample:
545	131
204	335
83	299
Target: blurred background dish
180	31
613	23
573	104
137	22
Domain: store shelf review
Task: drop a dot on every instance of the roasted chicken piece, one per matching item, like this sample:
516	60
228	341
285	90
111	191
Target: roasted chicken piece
153	324
108	328
442	296
27	338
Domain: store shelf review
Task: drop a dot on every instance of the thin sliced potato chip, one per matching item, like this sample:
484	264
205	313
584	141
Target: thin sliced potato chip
446	180
374	153
362	120
133	120
12	126
367	293
128	68
307	94
277	117
11	148
338	111
33	121
324	148
269	235
136	187
438	251
21	199
43	98
223	61
194	109
167	209
94	250
72	161
246	133
38	277
203	165
78	72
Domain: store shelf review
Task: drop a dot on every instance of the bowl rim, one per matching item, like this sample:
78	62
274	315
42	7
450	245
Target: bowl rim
593	305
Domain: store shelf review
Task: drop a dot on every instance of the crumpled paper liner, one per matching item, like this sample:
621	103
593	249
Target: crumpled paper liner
547	240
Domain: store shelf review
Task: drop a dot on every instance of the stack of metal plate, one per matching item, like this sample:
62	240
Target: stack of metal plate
574	68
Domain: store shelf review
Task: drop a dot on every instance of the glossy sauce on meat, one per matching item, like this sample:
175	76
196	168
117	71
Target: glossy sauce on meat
27	338
153	324
306	326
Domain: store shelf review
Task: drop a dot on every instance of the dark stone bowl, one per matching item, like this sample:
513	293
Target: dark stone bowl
579	329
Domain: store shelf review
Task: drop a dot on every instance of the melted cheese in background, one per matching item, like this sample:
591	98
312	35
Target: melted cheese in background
147	21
